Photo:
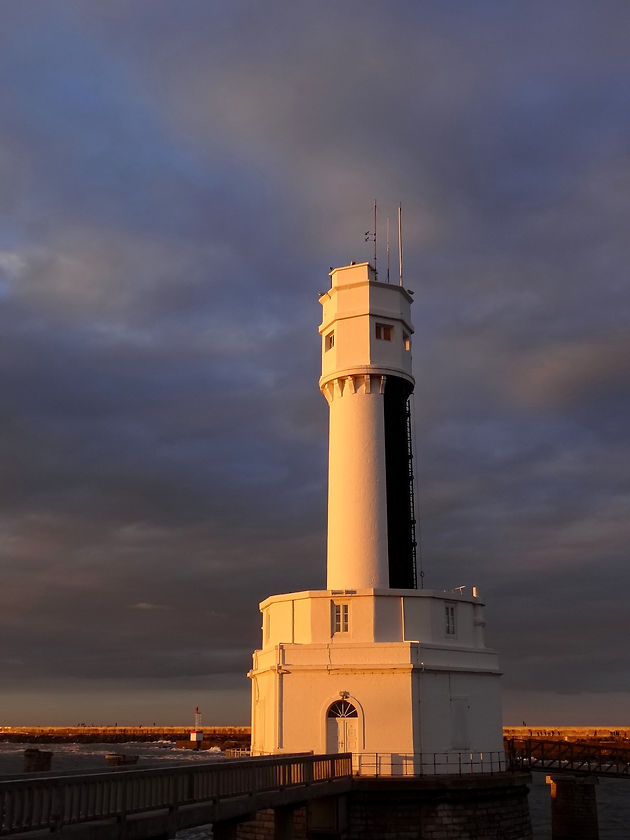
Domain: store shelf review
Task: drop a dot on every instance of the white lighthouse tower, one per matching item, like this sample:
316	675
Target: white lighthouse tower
366	379
399	676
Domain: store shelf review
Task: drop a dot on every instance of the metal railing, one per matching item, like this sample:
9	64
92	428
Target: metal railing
428	764
51	802
569	756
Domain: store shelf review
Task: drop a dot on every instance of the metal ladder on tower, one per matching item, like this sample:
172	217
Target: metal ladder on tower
412	505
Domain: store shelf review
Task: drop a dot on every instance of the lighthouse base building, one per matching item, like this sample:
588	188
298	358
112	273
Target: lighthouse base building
402	679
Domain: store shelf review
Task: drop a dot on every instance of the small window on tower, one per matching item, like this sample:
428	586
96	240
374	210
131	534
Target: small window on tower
340	618
330	340
384	332
407	341
450	619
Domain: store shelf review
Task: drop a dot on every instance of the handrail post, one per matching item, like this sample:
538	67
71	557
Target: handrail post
172	820
56	810
122	816
8	809
172	808
309	771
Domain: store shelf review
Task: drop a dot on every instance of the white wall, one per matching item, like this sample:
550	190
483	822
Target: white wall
428	694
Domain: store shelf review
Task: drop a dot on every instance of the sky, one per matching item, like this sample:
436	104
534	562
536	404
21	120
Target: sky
177	179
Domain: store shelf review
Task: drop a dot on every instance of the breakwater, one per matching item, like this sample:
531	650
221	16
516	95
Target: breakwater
224	737
238	737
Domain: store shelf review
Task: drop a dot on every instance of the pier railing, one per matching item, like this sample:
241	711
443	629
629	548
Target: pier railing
31	804
569	756
428	764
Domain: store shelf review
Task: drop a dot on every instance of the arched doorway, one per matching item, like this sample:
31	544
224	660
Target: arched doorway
342	727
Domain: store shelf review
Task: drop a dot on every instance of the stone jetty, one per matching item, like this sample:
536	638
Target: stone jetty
224	737
569	733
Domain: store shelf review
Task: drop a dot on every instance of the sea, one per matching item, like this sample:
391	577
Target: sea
72	756
613	795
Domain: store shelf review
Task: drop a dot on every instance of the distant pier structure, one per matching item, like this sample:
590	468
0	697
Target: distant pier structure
373	665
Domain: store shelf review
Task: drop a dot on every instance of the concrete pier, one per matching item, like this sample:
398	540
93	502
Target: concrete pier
455	808
573	807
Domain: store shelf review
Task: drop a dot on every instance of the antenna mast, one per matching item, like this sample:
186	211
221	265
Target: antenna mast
375	271
400	248
371	235
388	249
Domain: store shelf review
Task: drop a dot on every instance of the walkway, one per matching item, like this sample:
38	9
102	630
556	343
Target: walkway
138	804
568	757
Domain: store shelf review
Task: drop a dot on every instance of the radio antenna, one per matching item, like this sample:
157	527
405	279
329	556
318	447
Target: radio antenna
400	247
388	249
375	271
370	236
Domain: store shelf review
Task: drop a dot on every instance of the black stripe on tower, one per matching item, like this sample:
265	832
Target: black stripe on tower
399	474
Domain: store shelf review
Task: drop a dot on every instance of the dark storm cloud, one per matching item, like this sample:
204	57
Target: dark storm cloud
176	181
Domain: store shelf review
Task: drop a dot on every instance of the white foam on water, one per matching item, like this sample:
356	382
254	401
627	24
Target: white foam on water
91	757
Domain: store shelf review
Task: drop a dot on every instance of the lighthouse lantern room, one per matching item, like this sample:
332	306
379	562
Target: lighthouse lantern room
372	665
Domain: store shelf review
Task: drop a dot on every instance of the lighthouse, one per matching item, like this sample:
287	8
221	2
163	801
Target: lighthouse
399	676
366	379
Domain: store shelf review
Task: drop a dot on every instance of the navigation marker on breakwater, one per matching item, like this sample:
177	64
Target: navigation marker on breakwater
196	734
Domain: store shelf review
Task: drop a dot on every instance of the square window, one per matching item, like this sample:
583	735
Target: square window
330	340
384	332
340	618
449	619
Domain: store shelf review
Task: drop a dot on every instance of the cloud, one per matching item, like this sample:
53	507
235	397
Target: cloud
143	605
176	183
560	376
